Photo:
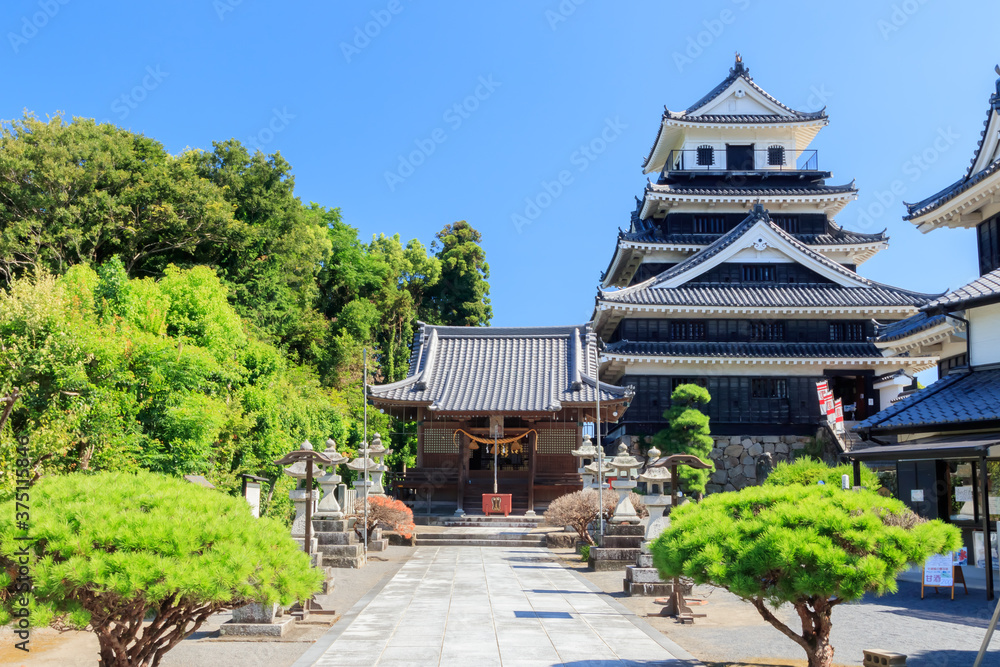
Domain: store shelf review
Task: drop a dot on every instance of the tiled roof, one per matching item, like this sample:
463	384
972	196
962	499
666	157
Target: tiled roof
735	295
885	333
891	376
955	398
500	369
744	350
841	237
967	181
980	292
868	292
756	119
752	190
956	188
738	70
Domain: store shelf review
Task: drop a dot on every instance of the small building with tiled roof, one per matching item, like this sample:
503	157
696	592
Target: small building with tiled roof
944	440
531	387
734	274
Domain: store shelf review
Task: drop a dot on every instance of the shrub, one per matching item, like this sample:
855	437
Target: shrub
807	471
109	549
393	514
813	547
579	509
688	433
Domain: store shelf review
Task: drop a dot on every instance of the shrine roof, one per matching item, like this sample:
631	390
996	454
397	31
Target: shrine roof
501	369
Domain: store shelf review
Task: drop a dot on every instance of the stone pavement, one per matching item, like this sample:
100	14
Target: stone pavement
489	606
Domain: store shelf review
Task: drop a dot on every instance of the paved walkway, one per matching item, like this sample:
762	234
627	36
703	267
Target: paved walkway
490	606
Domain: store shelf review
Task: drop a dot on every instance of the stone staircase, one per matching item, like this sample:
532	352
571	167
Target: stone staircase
485	531
619	549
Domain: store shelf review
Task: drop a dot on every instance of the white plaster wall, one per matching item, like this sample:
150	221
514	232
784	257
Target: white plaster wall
984	343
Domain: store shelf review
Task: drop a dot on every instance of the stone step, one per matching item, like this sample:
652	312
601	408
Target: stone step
494	518
492	524
622	541
337	538
346	550
453	542
459	535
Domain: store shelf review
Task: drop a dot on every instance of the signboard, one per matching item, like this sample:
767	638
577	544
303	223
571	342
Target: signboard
253	497
939	570
980	553
916	495
961	556
963	494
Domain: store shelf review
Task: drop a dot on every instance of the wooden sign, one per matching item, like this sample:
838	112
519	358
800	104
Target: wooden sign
940	571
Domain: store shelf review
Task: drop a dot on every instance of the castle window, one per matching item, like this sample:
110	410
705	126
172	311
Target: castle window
706	155
687	331
767	331
776	156
758	273
790	223
709	225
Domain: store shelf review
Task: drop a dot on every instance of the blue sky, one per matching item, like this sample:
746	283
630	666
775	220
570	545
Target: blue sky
469	110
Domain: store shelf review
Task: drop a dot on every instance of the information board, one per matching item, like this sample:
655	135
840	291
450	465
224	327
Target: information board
939	570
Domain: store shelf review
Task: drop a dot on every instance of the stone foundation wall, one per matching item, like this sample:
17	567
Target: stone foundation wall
736	458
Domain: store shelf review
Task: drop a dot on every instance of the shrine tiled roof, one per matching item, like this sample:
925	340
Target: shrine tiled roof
743	350
886	333
957	398
500	369
982	291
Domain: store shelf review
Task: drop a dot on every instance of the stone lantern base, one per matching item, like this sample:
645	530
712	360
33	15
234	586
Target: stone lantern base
257	620
619	549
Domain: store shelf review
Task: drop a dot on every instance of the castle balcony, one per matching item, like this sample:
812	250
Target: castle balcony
743	159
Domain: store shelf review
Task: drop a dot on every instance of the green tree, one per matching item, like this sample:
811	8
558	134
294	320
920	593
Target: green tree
272	272
813	547
80	192
687	432
806	472
462	295
109	549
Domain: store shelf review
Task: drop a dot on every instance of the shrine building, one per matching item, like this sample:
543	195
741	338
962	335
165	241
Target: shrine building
734	274
530	390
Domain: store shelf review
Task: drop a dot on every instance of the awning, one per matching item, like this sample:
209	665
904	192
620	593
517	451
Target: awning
954	447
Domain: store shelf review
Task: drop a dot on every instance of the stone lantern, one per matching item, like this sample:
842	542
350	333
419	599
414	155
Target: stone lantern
657	498
587	451
596	474
305	469
361	463
626	469
378	453
328	507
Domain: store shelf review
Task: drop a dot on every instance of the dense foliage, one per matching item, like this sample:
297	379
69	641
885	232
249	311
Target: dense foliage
110	548
813	547
688	433
190	314
385	512
807	471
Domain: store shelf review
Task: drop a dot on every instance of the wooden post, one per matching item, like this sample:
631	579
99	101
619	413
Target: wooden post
463	470
532	467
984	504
857	472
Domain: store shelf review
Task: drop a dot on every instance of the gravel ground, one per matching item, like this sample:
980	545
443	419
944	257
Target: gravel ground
205	647
934	632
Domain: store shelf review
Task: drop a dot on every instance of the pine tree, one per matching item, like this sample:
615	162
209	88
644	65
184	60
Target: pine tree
688	433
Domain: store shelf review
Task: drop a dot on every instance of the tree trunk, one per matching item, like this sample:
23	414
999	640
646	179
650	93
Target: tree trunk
822	654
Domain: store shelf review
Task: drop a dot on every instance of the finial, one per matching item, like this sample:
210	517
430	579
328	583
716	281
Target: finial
739	67
996	68
739	58
306	445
